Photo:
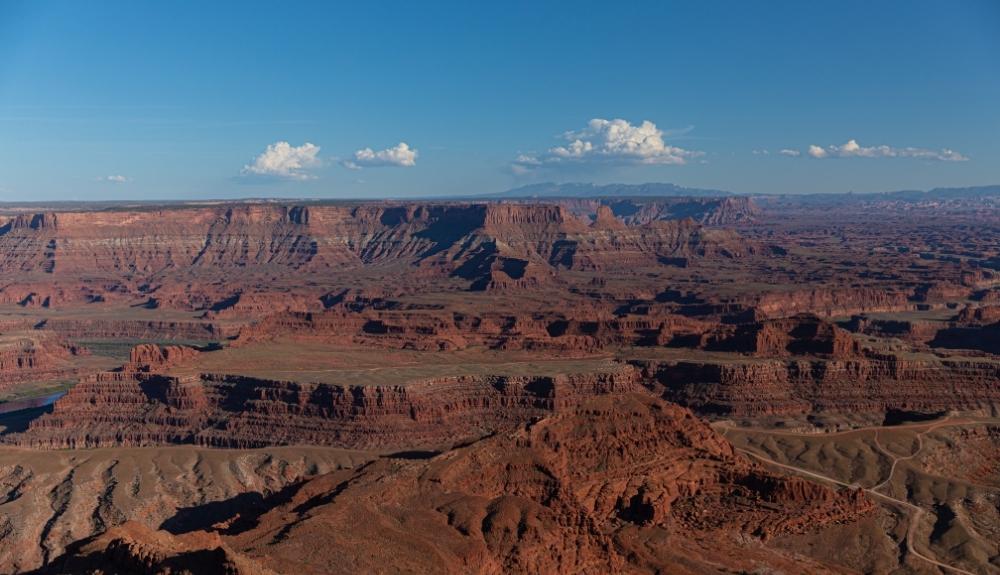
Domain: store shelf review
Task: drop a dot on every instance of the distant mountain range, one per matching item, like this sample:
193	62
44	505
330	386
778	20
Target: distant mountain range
544	191
910	196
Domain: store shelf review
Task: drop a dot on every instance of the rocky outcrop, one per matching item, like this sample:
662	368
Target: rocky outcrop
132	408
26	356
618	484
150	357
574	331
826	302
983	314
139	329
973	328
871	384
53	295
918	332
135	548
577	330
802	335
258	305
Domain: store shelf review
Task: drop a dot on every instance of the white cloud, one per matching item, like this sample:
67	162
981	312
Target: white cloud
114	179
817	152
789	152
852	149
524	163
613	141
762	152
402	155
282	160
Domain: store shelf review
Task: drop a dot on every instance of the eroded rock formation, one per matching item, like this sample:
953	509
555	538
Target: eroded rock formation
28	356
135	408
783	313
128	249
624	483
49	500
874	384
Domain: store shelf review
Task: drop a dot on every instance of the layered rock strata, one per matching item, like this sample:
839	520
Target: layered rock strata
874	383
26	356
130	248
134	408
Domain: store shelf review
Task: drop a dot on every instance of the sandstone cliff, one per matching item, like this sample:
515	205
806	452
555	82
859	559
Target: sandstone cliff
74	257
873	383
27	356
136	408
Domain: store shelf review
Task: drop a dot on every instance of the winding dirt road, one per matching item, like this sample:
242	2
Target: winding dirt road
915	511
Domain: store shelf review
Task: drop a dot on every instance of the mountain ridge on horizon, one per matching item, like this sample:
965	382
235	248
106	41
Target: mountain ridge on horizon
548	190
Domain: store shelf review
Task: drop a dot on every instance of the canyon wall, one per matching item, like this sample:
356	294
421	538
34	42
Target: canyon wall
136	408
27	356
872	384
130	246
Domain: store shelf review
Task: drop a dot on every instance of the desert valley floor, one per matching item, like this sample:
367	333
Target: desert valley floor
570	385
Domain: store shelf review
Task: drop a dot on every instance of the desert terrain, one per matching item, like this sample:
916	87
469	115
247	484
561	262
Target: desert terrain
544	383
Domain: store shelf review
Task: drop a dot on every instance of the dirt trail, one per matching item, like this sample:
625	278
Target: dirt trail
896	458
948	421
915	511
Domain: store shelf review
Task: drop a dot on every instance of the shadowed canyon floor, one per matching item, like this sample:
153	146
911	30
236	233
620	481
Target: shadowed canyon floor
646	385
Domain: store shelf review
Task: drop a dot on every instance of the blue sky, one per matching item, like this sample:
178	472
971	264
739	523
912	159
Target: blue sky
102	100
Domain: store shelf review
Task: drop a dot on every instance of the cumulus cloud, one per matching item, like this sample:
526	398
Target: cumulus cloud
816	151
114	179
610	141
852	149
790	152
285	161
402	155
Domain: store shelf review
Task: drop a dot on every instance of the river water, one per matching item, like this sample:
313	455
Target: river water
30	402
